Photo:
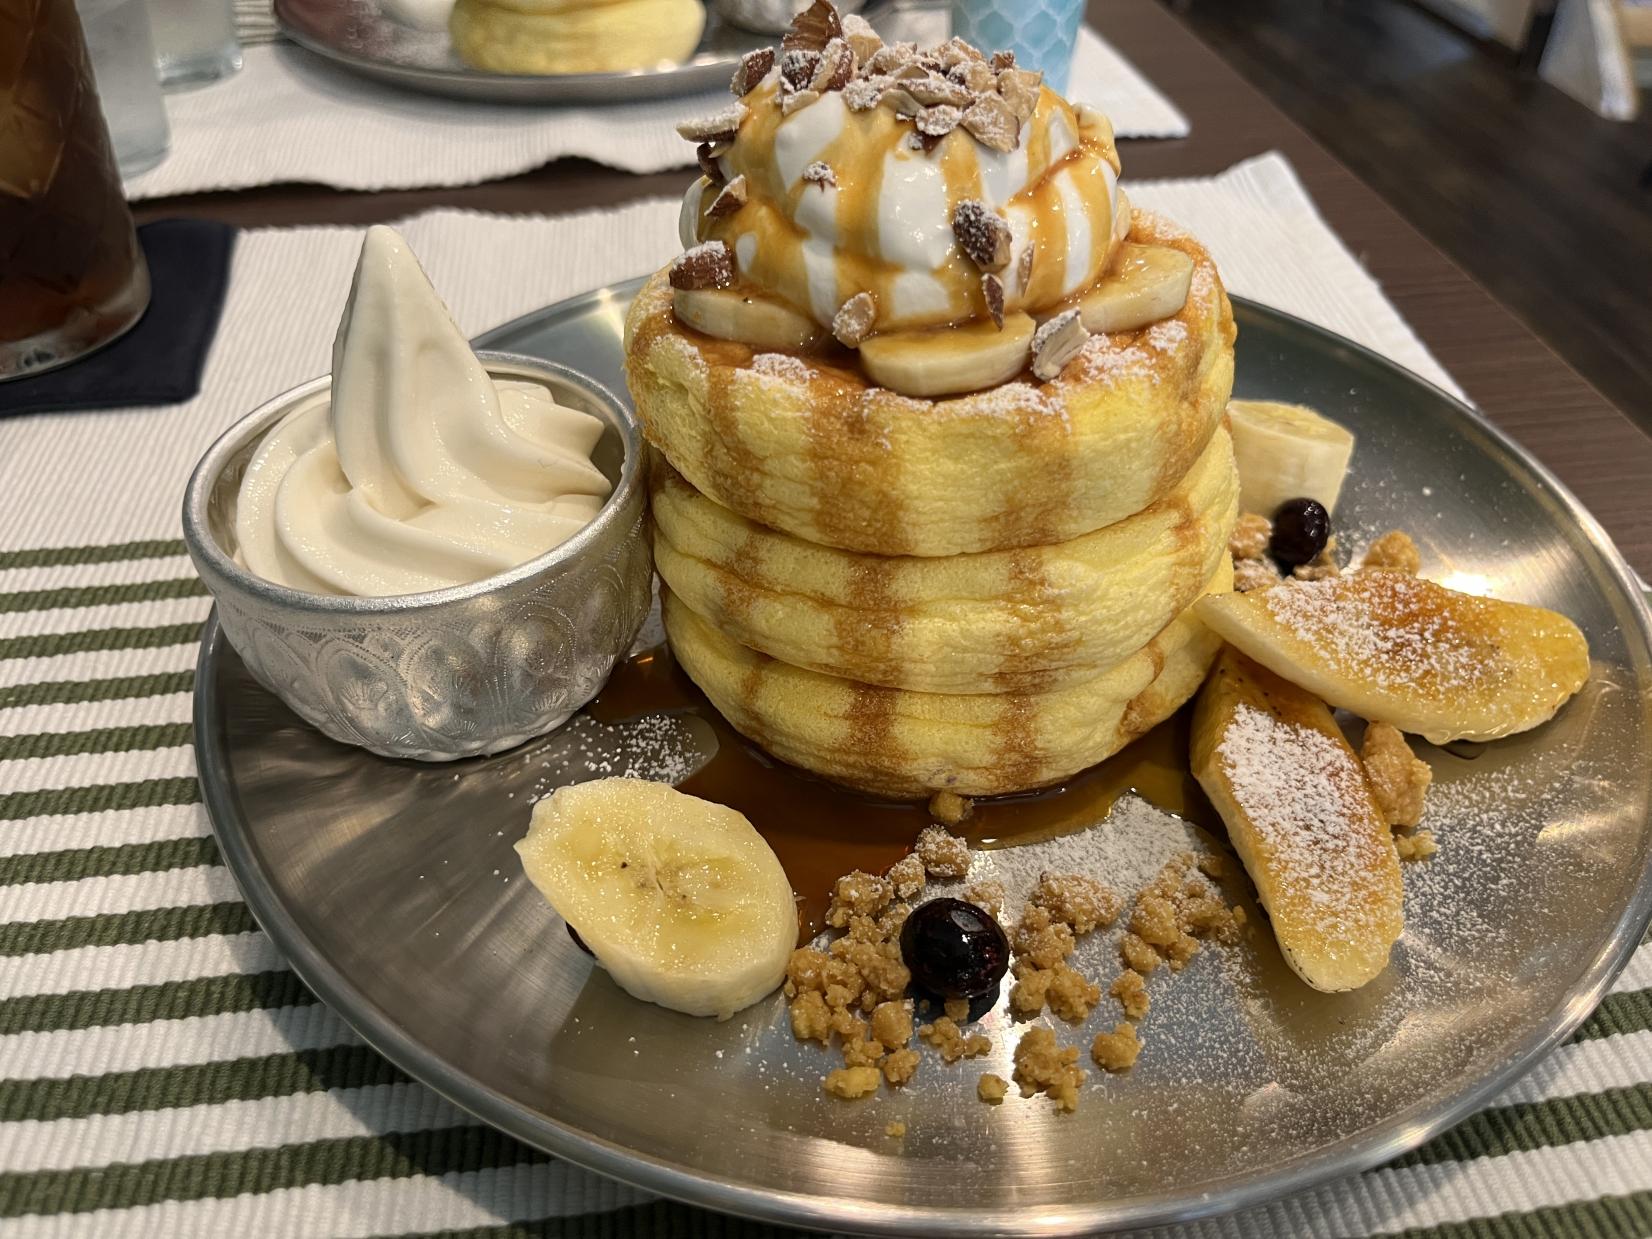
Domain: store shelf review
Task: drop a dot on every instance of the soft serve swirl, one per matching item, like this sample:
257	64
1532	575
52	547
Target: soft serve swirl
418	471
882	222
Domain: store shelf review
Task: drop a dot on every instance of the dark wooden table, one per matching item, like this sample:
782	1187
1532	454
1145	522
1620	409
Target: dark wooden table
1511	374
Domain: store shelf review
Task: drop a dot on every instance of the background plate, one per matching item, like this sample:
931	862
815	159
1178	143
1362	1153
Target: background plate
359	36
393	889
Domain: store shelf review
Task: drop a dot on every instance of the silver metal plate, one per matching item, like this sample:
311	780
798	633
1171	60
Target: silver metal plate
360	36
393	889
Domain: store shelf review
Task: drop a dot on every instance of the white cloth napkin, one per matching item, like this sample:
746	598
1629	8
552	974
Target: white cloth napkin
291	116
108	884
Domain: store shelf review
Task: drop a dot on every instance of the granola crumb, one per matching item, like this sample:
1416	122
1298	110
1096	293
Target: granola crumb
1040	939
991	1089
945	1035
1174	913
1138	956
858	894
957	1010
906	876
1082	903
1066	991
1415	845
811	1021
892	1024
852	1083
895	1130
1322	566
944	855
1131	991
1249	574
1044	1066
900	1066
1250	537
988	895
951	808
1117	1050
1399	779
1393	552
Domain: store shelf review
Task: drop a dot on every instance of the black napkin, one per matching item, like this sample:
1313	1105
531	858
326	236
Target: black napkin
159	361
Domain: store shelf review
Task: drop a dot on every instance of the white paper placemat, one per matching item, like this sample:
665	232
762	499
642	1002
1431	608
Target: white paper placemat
161	1073
290	116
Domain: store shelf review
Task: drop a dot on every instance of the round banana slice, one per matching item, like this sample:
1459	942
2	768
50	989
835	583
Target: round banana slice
680	899
1146	285
1287	451
730	314
944	361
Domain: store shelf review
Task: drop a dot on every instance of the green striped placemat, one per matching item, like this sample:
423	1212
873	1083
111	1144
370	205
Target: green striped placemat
163	1073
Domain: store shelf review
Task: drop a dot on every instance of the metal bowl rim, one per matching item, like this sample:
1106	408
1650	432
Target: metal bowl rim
1400	1133
203	481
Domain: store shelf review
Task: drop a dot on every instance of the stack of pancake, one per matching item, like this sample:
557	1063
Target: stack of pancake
981	594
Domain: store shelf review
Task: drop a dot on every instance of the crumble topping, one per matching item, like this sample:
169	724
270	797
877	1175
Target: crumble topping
949	807
991	1089
1042	1065
1398	778
1117	1050
945	1035
1250	537
944	855
1393	552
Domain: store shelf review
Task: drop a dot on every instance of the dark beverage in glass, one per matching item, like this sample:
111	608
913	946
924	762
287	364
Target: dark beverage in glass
72	277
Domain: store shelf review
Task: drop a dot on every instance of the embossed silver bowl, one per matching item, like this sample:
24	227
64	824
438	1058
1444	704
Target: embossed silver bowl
452	672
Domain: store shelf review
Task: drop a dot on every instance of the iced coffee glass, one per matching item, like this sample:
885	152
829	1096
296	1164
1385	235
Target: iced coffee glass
72	277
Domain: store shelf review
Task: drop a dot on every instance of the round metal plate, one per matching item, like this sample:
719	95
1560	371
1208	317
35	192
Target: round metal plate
393	889
361	37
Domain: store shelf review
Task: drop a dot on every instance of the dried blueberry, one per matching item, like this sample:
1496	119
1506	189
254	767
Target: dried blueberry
1301	528
954	949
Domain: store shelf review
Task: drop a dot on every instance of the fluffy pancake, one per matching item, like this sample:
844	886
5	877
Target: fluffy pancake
899	743
808	446
574	36
1025	620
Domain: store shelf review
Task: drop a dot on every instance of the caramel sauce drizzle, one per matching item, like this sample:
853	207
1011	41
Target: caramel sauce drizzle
821	831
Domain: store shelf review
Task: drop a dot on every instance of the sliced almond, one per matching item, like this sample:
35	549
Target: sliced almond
992	291
719	127
837	66
862	39
792	100
1057	342
708	265
1020	89
982	234
975	76
900	101
862	95
933	124
730	200
707	154
754	67
813	28
891	57
1003	60
1024	268
853	321
992	124
798	68
932	91
820	174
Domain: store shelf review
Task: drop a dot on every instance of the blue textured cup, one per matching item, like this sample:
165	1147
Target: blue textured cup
1041	33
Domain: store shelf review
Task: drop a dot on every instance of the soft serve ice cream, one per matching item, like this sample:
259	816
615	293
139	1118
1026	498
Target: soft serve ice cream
420	471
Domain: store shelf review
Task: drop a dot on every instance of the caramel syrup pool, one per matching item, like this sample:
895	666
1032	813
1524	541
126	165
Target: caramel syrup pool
821	831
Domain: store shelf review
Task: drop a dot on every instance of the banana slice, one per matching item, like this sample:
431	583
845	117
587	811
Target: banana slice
1302	817
1147	284
1287	451
944	361
679	899
688	215
1397	649
730	314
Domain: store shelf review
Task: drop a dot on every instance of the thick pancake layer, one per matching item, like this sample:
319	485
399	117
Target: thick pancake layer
1026	620
806	445
898	743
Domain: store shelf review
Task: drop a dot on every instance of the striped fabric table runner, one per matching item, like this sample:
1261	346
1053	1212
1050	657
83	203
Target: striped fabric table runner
162	1073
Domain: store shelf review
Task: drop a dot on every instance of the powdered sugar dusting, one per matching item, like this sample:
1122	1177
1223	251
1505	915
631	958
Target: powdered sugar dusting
1382	629
1306	797
781	366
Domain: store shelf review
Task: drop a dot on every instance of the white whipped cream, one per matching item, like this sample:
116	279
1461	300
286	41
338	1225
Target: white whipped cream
419	471
793	242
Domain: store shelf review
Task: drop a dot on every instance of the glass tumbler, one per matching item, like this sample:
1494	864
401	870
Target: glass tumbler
123	60
72	277
1041	33
194	41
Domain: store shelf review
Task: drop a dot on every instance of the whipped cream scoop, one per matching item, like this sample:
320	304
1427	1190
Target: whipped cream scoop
421	471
